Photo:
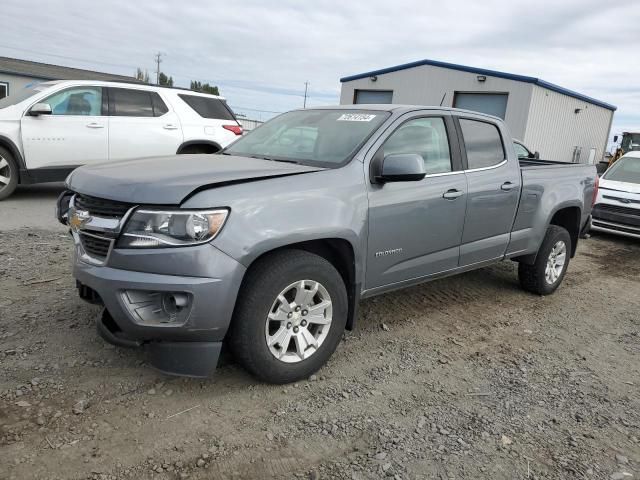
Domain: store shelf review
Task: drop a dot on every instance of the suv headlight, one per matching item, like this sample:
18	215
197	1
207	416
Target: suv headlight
175	228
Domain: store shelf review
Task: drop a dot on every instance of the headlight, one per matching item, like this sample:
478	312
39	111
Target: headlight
160	229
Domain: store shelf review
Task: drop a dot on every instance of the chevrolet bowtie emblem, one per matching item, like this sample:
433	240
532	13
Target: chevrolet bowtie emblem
78	218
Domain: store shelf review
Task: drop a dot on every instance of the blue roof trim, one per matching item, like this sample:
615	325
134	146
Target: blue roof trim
482	71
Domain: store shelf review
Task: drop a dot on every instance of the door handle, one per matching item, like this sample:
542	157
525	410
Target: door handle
170	126
94	125
507	186
452	194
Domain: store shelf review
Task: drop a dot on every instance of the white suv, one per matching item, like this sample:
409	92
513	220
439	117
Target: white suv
50	128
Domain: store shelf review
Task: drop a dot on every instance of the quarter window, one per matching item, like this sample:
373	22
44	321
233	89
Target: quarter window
521	151
482	142
425	136
208	107
76	101
130	103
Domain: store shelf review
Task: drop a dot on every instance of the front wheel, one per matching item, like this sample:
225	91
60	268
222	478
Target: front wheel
8	174
290	316
548	270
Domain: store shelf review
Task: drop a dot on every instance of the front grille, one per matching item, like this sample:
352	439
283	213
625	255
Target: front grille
101	207
605	207
95	246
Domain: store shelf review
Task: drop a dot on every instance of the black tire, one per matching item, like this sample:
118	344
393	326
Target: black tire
532	277
266	279
10	171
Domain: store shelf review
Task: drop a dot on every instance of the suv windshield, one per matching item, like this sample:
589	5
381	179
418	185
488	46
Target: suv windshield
627	169
23	94
316	137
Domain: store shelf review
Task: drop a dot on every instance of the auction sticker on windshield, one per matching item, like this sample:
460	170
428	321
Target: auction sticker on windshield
356	117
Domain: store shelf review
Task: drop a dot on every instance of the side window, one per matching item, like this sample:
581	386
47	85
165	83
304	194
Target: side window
482	142
521	152
426	137
76	101
159	107
208	107
130	103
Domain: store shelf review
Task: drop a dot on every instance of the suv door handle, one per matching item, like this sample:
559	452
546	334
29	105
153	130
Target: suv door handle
94	125
452	194
170	126
506	186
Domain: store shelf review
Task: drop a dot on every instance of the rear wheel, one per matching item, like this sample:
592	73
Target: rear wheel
550	266
290	316
8	174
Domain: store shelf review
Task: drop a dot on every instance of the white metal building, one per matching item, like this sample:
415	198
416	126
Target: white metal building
559	123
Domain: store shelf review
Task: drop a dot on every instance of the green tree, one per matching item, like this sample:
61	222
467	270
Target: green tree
142	76
197	86
164	80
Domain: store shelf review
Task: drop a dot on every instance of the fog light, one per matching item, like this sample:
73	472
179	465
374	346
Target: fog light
157	308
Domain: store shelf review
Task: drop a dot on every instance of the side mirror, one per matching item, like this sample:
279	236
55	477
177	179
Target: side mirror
401	167
40	109
536	155
615	139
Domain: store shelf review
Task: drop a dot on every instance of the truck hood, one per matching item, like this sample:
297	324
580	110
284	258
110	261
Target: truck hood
170	180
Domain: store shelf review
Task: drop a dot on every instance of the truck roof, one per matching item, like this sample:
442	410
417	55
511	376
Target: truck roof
399	108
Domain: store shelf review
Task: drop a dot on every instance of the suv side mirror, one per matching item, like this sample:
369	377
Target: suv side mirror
401	167
40	109
536	155
615	139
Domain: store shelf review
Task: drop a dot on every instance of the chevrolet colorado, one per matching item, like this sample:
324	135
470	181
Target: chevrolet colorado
270	244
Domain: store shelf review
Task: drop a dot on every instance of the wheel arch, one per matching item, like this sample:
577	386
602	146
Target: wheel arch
7	143
568	217
337	251
208	145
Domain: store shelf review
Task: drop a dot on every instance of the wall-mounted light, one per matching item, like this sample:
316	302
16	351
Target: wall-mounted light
374	78
577	111
481	78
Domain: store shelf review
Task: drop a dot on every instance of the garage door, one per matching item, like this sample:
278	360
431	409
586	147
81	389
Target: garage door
489	103
373	96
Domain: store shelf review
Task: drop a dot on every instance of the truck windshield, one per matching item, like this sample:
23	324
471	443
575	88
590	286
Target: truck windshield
23	94
627	169
327	138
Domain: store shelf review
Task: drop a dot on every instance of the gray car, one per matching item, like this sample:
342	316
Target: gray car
269	245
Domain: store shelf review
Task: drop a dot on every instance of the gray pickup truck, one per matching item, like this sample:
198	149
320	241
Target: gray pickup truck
270	245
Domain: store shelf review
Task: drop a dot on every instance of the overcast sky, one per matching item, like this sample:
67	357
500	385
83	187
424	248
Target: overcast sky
261	52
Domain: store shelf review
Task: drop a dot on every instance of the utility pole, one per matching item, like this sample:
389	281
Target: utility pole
158	62
306	86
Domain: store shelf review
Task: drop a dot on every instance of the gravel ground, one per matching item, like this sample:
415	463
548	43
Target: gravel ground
463	378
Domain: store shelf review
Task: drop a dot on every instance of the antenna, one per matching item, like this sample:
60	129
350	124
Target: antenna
158	62
441	101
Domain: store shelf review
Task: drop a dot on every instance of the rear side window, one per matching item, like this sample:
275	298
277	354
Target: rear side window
482	142
208	107
159	107
130	103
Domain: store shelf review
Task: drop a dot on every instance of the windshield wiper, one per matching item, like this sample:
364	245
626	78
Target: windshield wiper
272	159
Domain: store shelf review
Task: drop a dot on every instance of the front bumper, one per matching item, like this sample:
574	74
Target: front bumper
183	341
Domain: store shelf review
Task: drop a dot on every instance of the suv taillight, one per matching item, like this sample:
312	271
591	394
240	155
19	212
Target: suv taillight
595	190
237	129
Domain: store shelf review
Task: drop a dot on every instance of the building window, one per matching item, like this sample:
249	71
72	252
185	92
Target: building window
4	89
373	96
490	103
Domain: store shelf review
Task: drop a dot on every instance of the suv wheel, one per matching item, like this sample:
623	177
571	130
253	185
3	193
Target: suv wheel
8	174
547	272
290	316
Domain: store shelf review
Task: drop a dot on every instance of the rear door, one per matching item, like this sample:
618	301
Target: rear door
74	134
493	182
141	124
415	228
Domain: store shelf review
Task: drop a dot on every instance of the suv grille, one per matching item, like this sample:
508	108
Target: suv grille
605	207
94	246
100	207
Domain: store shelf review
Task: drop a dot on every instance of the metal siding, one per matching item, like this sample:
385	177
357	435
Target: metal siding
16	82
554	129
425	85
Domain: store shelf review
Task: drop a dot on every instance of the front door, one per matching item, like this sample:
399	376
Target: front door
141	125
494	190
76	132
415	228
